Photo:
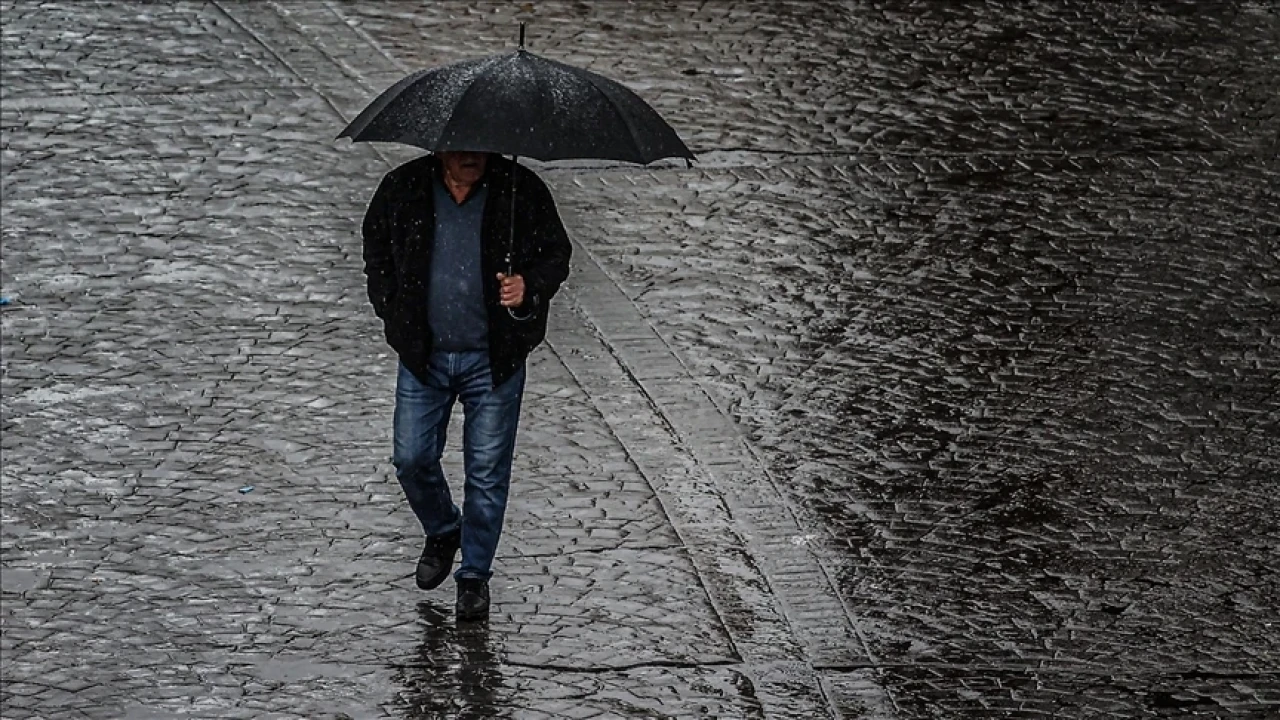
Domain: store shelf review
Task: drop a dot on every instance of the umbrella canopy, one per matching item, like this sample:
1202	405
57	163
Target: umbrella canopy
520	104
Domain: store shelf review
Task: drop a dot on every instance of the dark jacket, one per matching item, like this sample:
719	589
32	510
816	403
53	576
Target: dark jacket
398	240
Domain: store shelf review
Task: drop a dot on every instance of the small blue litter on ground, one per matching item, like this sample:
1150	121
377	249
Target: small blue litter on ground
246	489
4	300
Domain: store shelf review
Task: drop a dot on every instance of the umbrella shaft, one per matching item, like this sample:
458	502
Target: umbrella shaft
511	227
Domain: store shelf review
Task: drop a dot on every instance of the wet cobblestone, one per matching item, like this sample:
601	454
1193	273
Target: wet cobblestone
1030	413
944	385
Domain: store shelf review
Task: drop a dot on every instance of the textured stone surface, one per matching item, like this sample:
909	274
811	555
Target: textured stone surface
944	386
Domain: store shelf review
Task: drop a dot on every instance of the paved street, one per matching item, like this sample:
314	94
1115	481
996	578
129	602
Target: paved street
945	385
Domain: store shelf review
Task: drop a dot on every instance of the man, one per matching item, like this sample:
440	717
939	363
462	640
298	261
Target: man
436	240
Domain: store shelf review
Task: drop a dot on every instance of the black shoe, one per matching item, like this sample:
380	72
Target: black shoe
437	559
473	599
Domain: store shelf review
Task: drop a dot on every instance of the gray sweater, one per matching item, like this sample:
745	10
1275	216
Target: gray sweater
455	299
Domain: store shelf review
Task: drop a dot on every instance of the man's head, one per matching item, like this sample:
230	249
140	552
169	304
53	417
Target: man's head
464	168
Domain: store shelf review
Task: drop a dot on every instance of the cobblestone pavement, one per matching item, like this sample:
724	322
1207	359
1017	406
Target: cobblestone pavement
943	386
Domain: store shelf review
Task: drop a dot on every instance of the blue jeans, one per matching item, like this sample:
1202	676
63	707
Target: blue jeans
490	417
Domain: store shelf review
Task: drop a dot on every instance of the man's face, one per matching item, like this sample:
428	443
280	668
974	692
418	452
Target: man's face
464	167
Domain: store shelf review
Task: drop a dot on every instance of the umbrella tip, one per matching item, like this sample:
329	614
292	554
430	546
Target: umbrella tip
521	36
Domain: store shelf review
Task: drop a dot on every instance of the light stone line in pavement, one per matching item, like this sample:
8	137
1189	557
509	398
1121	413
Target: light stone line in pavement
400	67
272	51
292	49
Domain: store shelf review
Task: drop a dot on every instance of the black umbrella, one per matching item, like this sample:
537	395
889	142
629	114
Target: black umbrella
518	104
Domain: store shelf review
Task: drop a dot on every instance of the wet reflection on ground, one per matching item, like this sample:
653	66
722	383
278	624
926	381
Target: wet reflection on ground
456	672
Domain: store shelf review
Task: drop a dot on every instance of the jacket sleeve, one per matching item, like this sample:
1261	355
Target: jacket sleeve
549	247
379	262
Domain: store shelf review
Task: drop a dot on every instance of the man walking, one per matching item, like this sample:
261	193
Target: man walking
437	243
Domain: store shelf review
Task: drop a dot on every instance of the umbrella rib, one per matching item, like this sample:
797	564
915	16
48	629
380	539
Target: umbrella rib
481	71
631	131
